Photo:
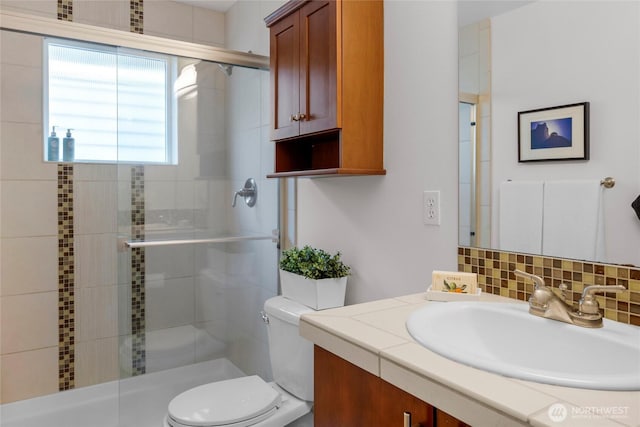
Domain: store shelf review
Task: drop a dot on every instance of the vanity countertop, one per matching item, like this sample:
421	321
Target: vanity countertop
373	337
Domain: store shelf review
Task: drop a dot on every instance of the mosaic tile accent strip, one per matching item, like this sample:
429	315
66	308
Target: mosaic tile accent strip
136	16
65	10
138	361
495	276
66	279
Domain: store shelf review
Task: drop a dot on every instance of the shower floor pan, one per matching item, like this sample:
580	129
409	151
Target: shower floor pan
139	401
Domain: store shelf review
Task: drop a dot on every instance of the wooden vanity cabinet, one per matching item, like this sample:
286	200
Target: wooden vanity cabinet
326	60
346	395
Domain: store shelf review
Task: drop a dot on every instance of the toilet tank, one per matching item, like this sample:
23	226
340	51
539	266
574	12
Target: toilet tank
291	355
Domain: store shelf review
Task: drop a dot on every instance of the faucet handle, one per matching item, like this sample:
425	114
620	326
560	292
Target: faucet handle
563	291
537	280
588	303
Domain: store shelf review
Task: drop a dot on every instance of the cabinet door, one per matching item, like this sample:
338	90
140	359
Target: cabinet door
318	66
346	395
285	77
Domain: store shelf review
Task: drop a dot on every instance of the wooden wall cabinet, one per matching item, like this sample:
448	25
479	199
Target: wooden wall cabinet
327	60
346	395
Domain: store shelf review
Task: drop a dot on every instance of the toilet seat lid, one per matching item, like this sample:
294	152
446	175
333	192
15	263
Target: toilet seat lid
224	402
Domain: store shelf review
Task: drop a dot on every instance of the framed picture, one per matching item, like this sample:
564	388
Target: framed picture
555	133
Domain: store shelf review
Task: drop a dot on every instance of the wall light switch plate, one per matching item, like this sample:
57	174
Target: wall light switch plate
431	207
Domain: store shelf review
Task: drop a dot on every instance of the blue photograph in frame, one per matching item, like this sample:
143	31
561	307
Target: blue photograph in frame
555	133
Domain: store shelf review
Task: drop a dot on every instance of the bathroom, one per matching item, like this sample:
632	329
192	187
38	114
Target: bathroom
374	221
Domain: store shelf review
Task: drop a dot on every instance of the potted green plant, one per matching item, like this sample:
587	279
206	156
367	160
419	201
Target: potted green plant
313	277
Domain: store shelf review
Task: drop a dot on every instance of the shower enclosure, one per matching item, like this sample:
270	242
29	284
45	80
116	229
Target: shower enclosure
195	269
163	278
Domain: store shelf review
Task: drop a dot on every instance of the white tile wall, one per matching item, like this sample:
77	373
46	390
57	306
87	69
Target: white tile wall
22	153
21	93
95	205
46	8
29	208
29	321
208	27
20	49
97	361
96	260
169	19
103	13
96	313
170	261
29	265
29	374
169	302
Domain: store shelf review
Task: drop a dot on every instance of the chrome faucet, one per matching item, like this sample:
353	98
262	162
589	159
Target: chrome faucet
545	303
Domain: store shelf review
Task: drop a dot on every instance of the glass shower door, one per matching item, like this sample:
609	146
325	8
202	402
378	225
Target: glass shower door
194	271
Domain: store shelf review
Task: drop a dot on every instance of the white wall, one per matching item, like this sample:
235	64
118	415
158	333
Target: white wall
376	221
537	63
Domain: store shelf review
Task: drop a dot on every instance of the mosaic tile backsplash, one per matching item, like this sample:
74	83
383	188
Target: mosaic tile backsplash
495	276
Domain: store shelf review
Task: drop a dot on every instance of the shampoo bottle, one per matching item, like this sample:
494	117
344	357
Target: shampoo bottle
53	146
68	147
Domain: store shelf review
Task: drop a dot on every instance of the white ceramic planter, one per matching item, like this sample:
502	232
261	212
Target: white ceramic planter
317	294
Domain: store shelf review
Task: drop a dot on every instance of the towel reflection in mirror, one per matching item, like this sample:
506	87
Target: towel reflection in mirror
563	218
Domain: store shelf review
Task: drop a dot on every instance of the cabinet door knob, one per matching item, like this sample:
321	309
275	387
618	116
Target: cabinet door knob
302	116
295	117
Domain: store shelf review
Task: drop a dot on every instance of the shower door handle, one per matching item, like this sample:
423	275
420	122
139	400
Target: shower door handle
249	192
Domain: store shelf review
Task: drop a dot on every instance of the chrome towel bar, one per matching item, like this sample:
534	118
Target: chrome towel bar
124	244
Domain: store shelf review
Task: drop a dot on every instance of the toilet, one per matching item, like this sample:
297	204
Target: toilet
251	401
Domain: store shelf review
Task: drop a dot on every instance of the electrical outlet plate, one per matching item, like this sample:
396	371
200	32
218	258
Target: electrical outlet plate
431	207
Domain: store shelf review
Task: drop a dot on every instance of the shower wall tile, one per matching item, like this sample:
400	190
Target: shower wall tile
168	19
20	49
243	29
159	195
95	207
244	160
96	260
29	265
29	208
22	151
210	297
171	261
102	13
96	313
97	361
208	27
46	8
29	374
160	173
244	106
185	195
94	172
169	302
29	321
21	93
265	97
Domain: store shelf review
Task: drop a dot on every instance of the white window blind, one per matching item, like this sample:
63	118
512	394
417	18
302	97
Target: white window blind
117	103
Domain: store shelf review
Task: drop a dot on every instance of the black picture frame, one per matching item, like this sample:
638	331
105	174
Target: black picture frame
554	133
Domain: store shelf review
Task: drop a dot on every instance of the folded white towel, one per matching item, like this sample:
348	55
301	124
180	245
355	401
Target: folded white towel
520	216
572	224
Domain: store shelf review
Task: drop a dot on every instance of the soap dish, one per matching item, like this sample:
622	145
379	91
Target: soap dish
452	296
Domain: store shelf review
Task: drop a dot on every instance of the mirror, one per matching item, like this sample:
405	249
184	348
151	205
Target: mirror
517	56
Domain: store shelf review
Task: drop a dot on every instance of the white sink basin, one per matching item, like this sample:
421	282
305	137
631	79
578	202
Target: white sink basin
505	339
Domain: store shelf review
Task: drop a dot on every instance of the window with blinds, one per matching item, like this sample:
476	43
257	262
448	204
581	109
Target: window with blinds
118	103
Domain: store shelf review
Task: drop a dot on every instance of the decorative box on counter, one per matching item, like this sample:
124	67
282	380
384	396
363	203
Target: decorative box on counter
453	286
